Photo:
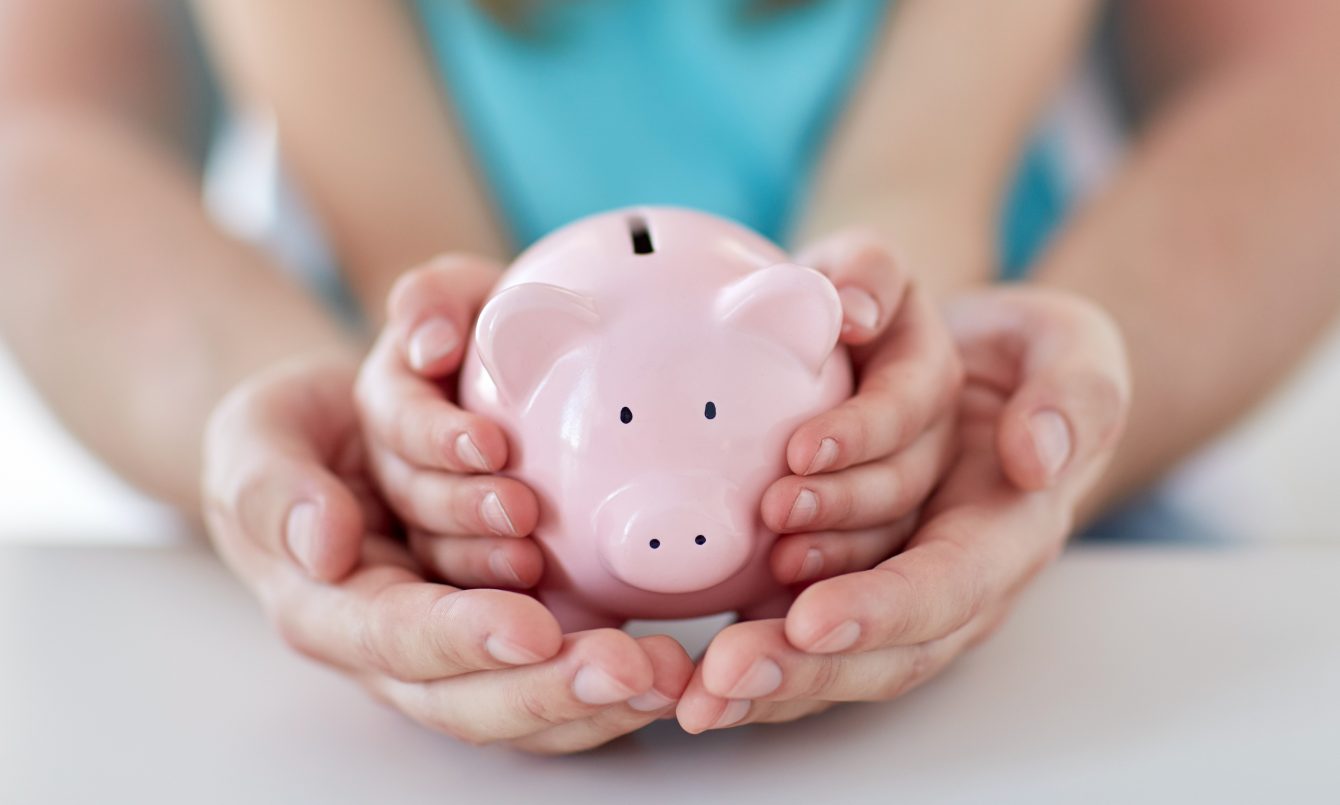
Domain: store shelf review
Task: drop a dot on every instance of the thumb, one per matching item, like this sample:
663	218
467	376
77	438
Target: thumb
269	454
1071	380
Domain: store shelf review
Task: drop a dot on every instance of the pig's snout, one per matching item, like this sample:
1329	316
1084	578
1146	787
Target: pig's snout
675	534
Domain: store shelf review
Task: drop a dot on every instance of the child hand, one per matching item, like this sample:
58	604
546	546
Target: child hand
433	461
863	468
863	472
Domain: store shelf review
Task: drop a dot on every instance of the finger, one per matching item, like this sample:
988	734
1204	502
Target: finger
671	668
909	379
960	563
432	308
1071	385
869	676
594	670
800	558
460	505
870	282
862	496
753	663
413	417
266	479
479	561
754	660
385	620
782	712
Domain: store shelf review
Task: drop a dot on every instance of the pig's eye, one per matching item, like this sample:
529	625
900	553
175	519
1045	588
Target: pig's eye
625	415
709	410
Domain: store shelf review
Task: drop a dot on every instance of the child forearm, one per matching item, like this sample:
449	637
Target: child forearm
926	148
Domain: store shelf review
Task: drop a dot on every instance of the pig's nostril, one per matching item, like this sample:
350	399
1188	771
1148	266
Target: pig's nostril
700	539
655	543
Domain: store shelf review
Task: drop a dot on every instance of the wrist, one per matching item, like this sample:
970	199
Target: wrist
946	243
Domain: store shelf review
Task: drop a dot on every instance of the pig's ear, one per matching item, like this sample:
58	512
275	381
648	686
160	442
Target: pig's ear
525	329
795	307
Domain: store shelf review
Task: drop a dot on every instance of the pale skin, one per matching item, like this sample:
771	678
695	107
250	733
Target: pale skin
174	303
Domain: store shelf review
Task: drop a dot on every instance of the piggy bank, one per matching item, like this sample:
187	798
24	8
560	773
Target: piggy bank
648	367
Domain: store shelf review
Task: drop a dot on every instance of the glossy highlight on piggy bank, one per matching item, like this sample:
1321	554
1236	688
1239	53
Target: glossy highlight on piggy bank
648	366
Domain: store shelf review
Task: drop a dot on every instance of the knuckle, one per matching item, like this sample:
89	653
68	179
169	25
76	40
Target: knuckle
1104	397
217	512
392	485
900	619
869	253
857	425
422	504
468	732
827	674
400	299
955	374
293	636
989	628
534	705
899	490
972	592
245	504
376	634
451	608
922	664
410	427
837	504
292	630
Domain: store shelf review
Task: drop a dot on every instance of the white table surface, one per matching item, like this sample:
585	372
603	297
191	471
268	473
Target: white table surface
147	675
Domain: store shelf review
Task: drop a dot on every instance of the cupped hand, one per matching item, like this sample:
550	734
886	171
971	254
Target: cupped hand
290	508
1041	413
433	461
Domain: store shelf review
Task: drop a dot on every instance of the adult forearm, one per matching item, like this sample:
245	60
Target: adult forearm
1217	251
127	308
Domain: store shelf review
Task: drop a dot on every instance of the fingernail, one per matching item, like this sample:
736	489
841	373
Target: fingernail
592	685
504	650
432	341
1051	438
468	452
300	533
495	516
736	710
839	638
762	678
803	510
859	307
824	456
502	567
814	562
650	701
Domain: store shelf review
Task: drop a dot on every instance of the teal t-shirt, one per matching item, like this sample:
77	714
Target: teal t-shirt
718	105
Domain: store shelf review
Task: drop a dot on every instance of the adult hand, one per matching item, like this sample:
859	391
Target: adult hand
290	509
1041	413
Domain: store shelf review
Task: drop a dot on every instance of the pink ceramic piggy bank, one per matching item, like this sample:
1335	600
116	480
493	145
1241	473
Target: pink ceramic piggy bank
648	366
